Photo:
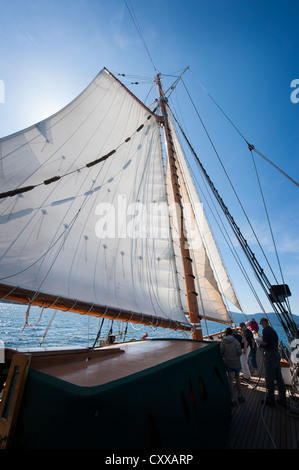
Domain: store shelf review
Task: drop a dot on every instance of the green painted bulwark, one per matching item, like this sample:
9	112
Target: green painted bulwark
181	404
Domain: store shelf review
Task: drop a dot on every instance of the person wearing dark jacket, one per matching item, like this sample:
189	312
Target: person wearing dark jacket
272	364
251	344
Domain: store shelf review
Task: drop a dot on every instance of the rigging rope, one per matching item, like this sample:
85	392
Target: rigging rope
230	182
267	215
48	327
66	231
284	316
228	241
250	146
230	245
135	21
190	241
41	314
98	335
79	334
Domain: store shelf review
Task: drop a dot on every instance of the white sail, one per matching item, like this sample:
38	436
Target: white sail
211	278
100	232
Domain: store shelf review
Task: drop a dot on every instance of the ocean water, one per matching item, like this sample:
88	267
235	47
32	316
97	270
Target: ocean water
66	329
63	329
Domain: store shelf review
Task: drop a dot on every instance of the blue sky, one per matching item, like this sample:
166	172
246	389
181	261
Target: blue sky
244	52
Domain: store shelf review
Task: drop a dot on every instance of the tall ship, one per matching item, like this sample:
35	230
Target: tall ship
100	217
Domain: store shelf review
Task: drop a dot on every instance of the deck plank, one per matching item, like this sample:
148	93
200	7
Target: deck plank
255	426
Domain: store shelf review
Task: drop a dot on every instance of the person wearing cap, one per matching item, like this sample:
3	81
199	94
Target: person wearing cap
272	364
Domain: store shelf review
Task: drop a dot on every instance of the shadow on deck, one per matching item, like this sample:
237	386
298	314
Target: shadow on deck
256	426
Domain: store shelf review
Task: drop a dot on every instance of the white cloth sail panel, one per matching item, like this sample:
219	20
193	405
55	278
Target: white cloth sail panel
86	236
210	273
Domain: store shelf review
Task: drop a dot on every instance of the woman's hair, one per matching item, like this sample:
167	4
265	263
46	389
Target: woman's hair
228	331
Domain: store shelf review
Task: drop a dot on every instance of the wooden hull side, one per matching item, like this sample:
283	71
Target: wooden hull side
180	404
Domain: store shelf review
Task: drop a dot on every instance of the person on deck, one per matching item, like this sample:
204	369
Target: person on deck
272	364
231	351
252	346
253	325
244	357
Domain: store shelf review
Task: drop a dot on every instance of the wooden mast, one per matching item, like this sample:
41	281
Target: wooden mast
187	261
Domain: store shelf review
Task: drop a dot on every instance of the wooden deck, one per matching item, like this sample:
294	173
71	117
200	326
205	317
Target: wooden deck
100	366
253	425
256	426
